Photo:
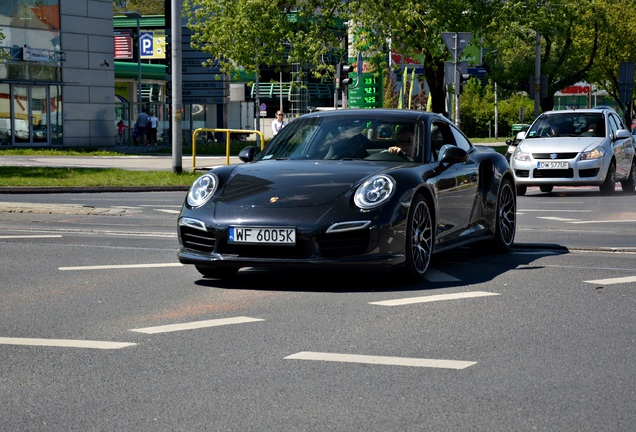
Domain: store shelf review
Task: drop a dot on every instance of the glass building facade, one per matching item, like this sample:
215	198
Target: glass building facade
30	73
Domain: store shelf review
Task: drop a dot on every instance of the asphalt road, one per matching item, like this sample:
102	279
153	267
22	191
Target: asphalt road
101	329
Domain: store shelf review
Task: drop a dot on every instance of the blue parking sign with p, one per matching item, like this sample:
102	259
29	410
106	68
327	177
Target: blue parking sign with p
146	44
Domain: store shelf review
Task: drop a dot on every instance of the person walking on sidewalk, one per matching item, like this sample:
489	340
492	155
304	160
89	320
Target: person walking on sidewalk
142	126
152	129
120	131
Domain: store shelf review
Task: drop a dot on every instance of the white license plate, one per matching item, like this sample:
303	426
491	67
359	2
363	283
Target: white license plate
262	235
553	165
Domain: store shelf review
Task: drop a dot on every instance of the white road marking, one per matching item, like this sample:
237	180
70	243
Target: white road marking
29	236
122	266
612	281
555	210
68	343
605	221
168	211
432	298
433	275
196	325
381	360
554	218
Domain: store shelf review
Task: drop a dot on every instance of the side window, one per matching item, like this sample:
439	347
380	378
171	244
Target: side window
460	140
614	124
441	135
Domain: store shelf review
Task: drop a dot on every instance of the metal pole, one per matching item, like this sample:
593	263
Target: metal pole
537	76
138	60
457	79
177	119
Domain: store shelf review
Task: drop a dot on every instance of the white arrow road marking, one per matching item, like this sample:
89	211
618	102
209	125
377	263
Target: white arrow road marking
381	360
68	343
612	281
122	266
195	325
432	298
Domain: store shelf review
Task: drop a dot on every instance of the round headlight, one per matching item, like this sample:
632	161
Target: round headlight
202	189
374	192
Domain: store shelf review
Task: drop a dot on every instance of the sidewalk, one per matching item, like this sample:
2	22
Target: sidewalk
150	162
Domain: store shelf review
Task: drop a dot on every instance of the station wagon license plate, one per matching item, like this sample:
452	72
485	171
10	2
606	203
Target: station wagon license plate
262	235
553	165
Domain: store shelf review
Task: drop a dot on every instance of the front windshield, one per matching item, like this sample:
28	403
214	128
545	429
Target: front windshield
568	124
345	137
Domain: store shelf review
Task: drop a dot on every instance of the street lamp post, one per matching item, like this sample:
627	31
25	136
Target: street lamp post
136	15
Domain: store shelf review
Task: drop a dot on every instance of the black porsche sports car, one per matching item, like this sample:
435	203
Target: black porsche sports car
340	188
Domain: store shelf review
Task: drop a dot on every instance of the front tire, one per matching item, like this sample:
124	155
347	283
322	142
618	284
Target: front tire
609	185
419	238
546	188
506	217
628	185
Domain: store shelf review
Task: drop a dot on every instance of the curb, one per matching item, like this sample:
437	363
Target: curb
89	189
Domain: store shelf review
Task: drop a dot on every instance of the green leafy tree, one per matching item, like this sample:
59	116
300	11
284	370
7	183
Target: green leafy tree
569	30
245	34
415	27
145	7
615	42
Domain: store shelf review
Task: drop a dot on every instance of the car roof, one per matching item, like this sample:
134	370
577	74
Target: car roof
379	113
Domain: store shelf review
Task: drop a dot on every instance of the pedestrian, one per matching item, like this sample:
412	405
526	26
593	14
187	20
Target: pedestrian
142	125
278	123
120	131
152	129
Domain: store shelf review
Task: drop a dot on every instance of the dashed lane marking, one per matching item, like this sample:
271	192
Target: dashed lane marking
122	266
433	298
67	343
196	325
381	360
612	281
29	236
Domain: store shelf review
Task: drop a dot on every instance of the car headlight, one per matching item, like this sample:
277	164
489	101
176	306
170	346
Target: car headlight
597	153
202	189
520	155
374	192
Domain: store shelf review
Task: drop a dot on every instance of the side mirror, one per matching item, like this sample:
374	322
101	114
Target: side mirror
450	154
622	134
520	135
247	154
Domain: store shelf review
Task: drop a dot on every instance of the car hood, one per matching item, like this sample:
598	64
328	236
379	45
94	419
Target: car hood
294	183
559	144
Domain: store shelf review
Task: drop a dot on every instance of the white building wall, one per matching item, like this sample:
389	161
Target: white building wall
88	72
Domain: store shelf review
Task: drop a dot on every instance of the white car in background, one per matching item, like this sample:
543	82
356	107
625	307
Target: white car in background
584	147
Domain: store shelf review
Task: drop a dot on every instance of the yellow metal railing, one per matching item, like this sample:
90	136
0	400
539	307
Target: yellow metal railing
227	142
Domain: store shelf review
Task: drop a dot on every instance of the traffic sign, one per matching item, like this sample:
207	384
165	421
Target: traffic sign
456	42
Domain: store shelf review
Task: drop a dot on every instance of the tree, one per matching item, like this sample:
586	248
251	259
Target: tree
570	35
245	34
414	26
615	46
144	7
